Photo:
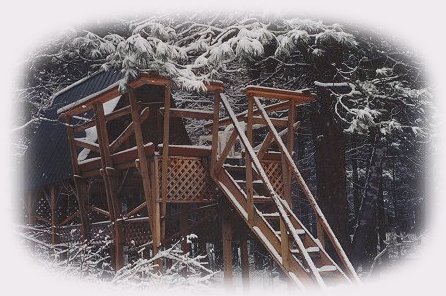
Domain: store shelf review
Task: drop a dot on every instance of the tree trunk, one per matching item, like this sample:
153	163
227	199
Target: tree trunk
355	181
330	168
364	239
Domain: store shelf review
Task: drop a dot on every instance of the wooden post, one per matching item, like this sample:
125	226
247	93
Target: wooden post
79	183
226	230
152	205
109	174
81	197
244	256
29	208
184	226
215	127
320	233
248	163
53	205
284	244
165	163
286	171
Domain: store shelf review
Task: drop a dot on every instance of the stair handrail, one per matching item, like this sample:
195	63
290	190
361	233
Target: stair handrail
275	197
312	201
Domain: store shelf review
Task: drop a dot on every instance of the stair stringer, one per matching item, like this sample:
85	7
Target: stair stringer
260	228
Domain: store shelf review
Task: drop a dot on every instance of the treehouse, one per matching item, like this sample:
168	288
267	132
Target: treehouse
124	166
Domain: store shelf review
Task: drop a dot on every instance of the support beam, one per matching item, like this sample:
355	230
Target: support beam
109	175
82	197
248	163
214	151
145	173
53	206
165	156
226	232
244	256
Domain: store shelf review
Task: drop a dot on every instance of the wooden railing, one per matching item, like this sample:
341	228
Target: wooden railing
310	198
252	162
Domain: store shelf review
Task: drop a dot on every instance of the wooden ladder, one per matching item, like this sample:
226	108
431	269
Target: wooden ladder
245	184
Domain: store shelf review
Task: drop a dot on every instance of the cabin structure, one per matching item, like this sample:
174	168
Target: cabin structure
124	164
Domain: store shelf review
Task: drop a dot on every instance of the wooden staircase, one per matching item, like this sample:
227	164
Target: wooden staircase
244	182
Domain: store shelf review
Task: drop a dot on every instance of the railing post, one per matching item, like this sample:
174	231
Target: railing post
215	126
244	257
284	244
226	232
165	163
248	163
286	170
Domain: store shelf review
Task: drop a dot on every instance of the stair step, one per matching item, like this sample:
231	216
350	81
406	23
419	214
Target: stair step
254	182
312	251
261	198
239	170
299	232
327	268
271	215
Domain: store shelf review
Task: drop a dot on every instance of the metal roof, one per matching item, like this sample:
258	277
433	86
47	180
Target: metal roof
47	158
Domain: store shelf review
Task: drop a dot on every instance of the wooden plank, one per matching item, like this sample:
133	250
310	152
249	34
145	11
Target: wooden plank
100	211
85	144
82	127
187	150
264	145
280	94
109	117
118	113
273	107
215	86
120	158
229	144
108	94
189	113
279	122
128	131
269	139
136	210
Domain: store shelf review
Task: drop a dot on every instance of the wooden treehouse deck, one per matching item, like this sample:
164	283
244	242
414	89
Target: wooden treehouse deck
134	167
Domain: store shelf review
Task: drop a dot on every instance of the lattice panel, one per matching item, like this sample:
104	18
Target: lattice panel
273	170
136	232
43	209
188	180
